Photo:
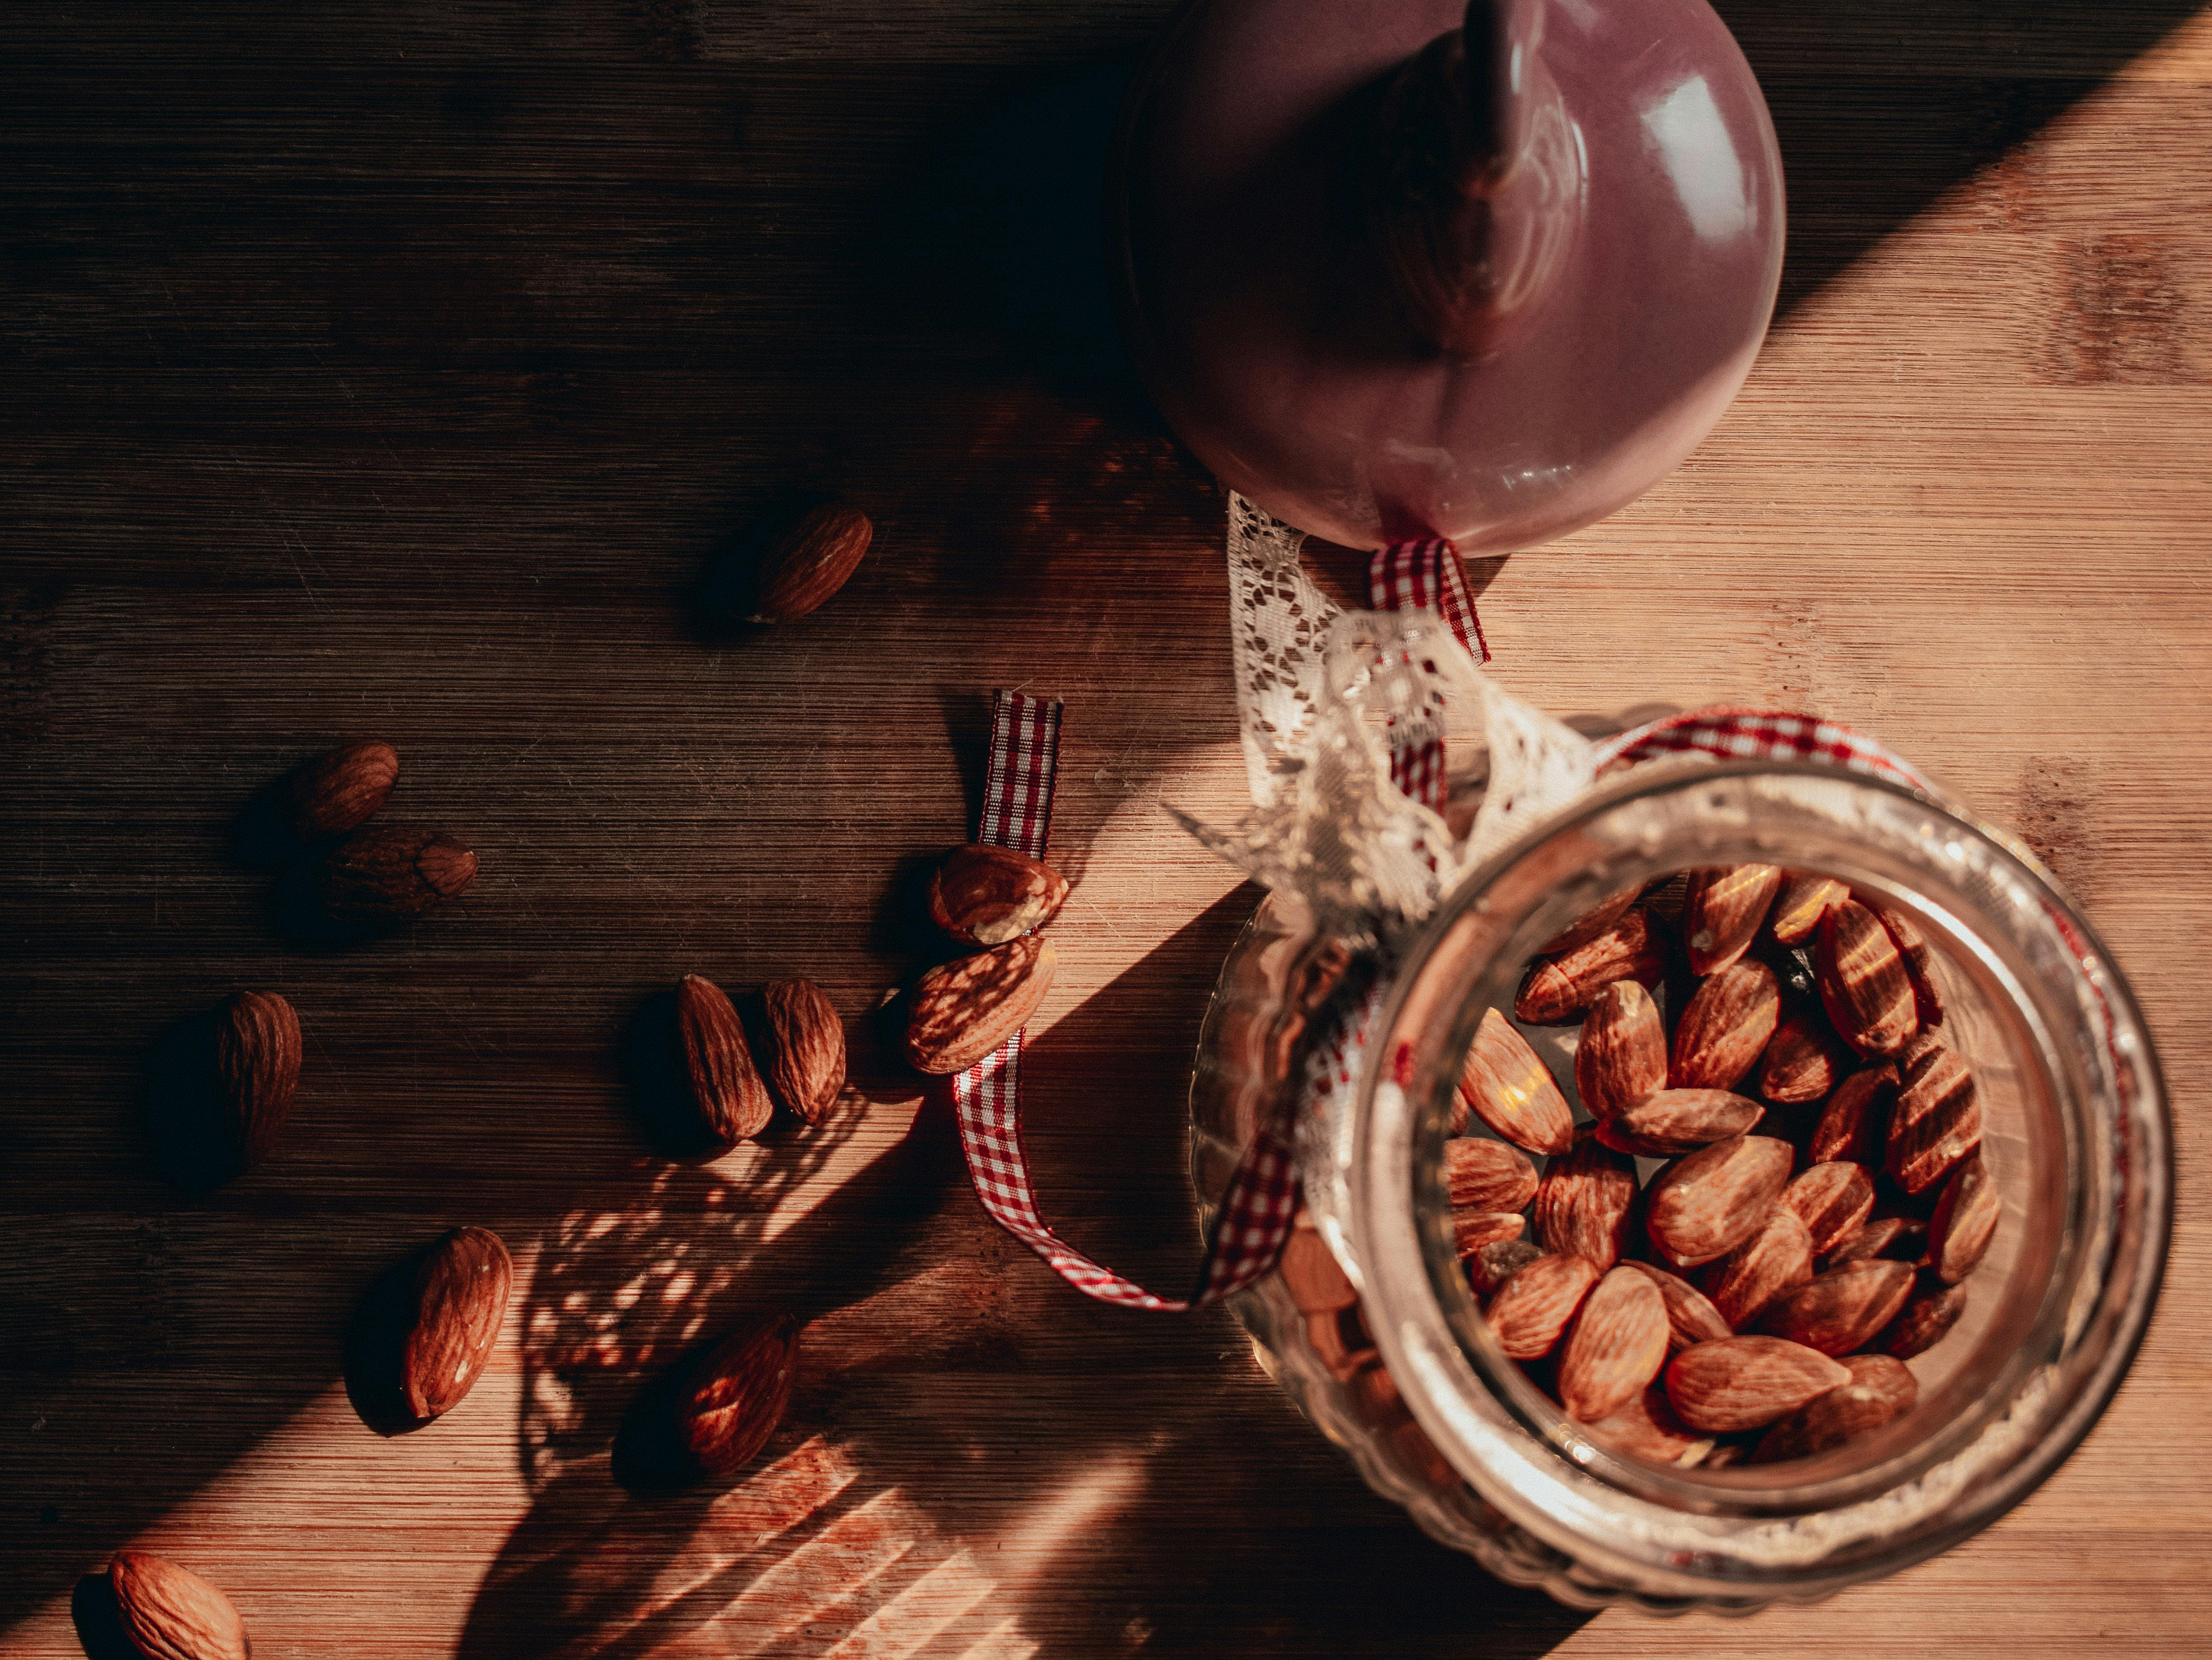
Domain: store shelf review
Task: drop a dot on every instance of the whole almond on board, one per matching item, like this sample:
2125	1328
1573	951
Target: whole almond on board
1510	1089
1804	900
1690	1316
1528	1312
1919	965
1803	1061
1926	1319
1965	1221
1854	1124
1679	1121
985	896
1873	1398
460	1297
806	1047
1863	984
1616	1346
1647	1427
1621	1056
1895	1238
724	1085
801	569
1586	1203
257	1065
1726	1027
733	1402
960	1012
1559	989
1936	1122
380	877
1480	1174
1722	909
1491	1266
1777	1258
1593	921
1471	1230
1746	1382
1312	1275
1707	1204
1833	1200
169	1613
1843	1311
342	788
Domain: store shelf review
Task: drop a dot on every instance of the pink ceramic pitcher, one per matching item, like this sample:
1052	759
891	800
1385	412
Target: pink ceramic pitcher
1392	277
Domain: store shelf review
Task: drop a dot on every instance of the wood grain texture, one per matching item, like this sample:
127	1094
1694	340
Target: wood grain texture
395	370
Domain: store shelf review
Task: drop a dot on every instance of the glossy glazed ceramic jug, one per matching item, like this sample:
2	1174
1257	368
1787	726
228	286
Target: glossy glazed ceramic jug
1391	271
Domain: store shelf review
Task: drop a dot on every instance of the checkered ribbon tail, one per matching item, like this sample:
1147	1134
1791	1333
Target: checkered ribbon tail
1741	734
987	1099
1424	576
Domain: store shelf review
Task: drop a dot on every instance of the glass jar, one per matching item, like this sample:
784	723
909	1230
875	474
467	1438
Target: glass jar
1411	1384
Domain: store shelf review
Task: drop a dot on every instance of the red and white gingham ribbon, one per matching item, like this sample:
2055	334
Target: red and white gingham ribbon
1424	576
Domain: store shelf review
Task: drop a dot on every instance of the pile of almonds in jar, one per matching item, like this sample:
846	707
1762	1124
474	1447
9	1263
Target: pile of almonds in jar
1757	1298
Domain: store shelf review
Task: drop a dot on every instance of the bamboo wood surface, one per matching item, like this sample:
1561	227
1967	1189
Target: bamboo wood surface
394	370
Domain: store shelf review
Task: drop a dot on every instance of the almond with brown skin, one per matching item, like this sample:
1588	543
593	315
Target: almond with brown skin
1616	1346
1803	1062
1679	1121
1722	910
1529	1311
1936	1122
1312	1275
1471	1230
1648	1428
1491	1266
1340	1342
1833	1200
257	1064
1621	1056
1511	1090
1881	1390
168	1613
1964	1222
1593	921
1705	1205
1586	1203
1863	984
1926	1319
1842	1311
1726	1027
1480	1174
1746	1382
804	567
732	1403
960	1012
1775	1259
806	1047
985	896
342	789
460	1298
1559	989
1894	1239
1919	965
1804	900
1854	1123
725	1086
381	877
1690	1316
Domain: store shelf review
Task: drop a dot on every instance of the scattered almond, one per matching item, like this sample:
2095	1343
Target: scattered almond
1746	1382
256	1062
1726	1027
725	1086
983	895
1621	1056
1510	1089
460	1299
377	877
806	1047
169	1613
1722	910
805	565
962	1010
342	789
1559	989
1679	1121
732	1403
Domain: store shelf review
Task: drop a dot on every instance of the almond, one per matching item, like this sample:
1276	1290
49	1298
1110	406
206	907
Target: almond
1873	1397
1471	1230
1919	965
962	1011
1926	1319
220	1085
1376	1392
1855	1121
1586	1203
1895	1238
1616	1347
1316	1281
342	789
732	1401
1804	900
460	1298
1690	1316
1594	922
1491	1266
1679	1121
725	1086
1843	1309
1621	1056
1706	1205
1777	1258
1648	1428
1833	1200
1863	984
1937	1120
1803	1061
1746	1382
1725	1027
985	896
806	1047
1528	1312
1722	910
1340	1342
801	569
1511	1090
171	1614
1561	987
1965	1221
1480	1174
380	877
